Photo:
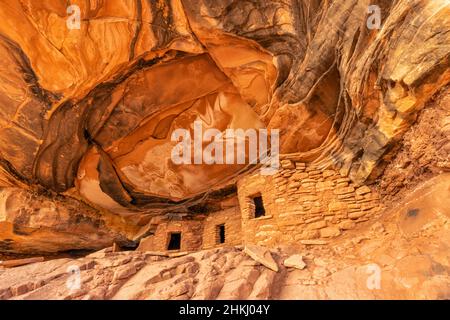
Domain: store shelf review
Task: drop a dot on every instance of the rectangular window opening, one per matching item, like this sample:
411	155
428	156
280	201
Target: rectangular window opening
220	229
259	206
174	241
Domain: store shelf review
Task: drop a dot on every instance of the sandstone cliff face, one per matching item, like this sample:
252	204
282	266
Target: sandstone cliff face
87	113
398	256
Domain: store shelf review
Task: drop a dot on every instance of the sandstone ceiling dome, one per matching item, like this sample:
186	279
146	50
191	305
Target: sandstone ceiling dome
87	114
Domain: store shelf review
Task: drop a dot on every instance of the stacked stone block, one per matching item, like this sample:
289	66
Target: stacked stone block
191	235
231	218
303	202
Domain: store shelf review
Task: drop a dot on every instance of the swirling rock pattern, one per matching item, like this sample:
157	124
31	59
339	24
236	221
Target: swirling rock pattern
87	114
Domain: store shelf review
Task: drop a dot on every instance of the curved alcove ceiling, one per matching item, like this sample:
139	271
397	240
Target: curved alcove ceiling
136	136
90	110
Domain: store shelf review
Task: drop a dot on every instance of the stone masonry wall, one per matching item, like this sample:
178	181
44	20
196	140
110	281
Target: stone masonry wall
302	203
191	236
263	230
231	218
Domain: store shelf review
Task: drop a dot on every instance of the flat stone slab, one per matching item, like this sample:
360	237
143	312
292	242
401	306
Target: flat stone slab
295	261
314	242
261	255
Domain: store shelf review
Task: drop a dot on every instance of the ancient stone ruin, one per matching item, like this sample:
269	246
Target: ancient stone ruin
225	149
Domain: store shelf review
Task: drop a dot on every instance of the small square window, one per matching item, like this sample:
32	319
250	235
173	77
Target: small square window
174	241
259	206
220	234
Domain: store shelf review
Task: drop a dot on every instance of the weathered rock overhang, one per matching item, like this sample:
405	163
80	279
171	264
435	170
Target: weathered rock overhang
91	118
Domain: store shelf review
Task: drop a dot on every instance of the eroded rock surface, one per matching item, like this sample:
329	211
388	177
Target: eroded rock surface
35	224
86	123
399	256
89	112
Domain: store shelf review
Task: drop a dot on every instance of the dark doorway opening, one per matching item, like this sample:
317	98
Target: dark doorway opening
220	234
259	207
174	241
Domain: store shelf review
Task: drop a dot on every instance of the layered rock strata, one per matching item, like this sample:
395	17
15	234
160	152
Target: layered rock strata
87	113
